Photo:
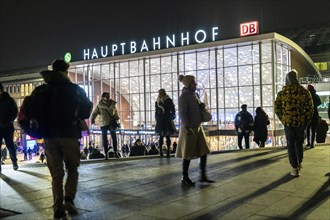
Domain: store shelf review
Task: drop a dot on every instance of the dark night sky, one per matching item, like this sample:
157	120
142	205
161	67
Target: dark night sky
33	33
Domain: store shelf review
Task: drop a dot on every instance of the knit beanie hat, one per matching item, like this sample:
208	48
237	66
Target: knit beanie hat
186	80
291	78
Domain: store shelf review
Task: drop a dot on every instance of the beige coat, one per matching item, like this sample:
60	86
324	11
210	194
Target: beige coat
194	145
105	111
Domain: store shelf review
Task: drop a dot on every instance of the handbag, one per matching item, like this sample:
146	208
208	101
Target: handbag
205	115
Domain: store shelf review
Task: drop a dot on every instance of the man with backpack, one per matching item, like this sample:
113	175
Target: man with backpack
8	113
243	126
65	104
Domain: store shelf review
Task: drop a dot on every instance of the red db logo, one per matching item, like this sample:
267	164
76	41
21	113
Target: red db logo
249	28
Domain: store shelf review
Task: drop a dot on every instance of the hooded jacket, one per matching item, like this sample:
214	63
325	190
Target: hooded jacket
106	111
294	104
66	105
8	110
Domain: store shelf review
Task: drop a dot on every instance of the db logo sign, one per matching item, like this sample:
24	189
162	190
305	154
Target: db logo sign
249	28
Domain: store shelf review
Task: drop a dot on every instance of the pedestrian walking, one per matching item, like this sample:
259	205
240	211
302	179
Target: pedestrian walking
243	126
294	107
8	113
261	120
164	114
108	121
66	107
311	128
192	142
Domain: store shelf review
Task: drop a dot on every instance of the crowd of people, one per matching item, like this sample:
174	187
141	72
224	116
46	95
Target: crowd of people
295	106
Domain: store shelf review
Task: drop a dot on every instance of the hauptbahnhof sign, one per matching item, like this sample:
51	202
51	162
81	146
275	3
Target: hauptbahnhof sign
156	43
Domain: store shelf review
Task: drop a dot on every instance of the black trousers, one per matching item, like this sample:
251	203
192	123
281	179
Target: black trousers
8	135
161	142
246	139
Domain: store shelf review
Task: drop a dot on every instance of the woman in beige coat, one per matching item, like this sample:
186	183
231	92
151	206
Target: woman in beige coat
191	143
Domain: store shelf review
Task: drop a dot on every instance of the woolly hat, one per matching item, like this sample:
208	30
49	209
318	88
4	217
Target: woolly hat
186	80
310	87
291	78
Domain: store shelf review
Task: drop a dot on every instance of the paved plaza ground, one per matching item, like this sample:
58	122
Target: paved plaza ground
250	184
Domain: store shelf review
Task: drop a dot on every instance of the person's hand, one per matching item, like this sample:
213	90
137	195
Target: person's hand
202	105
190	131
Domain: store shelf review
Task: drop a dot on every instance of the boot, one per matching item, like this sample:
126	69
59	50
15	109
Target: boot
185	180
202	167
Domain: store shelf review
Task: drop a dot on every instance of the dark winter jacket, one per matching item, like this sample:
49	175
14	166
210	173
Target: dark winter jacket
8	110
67	104
243	122
316	103
261	121
165	114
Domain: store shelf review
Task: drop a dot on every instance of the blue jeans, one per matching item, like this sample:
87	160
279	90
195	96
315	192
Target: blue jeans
295	140
105	141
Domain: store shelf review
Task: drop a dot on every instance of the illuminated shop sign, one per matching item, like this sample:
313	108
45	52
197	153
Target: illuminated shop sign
249	28
156	43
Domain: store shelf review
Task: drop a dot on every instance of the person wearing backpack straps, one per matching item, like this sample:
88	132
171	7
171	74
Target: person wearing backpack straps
243	126
8	113
67	104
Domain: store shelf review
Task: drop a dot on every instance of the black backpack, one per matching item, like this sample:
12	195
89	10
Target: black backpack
31	117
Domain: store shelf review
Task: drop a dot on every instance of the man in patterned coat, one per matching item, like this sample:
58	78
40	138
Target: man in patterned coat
294	108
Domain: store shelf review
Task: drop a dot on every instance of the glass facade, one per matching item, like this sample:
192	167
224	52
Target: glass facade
228	76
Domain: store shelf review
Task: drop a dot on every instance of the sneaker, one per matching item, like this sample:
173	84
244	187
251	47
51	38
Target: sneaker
60	215
69	206
295	172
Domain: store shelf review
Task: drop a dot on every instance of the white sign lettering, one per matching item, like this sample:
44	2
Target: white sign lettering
155	43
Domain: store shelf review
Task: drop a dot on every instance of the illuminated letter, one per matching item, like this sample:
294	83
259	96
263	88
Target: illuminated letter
144	46
94	54
114	48
168	40
133	46
122	48
214	33
200	41
106	51
184	39
156	43
252	28
86	54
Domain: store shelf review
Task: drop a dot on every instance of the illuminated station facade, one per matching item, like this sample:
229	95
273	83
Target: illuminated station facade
248	70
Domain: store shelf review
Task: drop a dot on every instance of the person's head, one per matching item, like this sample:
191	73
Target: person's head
60	65
161	93
259	110
291	77
244	107
310	87
105	96
188	81
1	88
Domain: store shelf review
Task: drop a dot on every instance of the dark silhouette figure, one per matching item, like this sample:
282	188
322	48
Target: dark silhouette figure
165	114
8	113
243	126
261	121
66	107
311	128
